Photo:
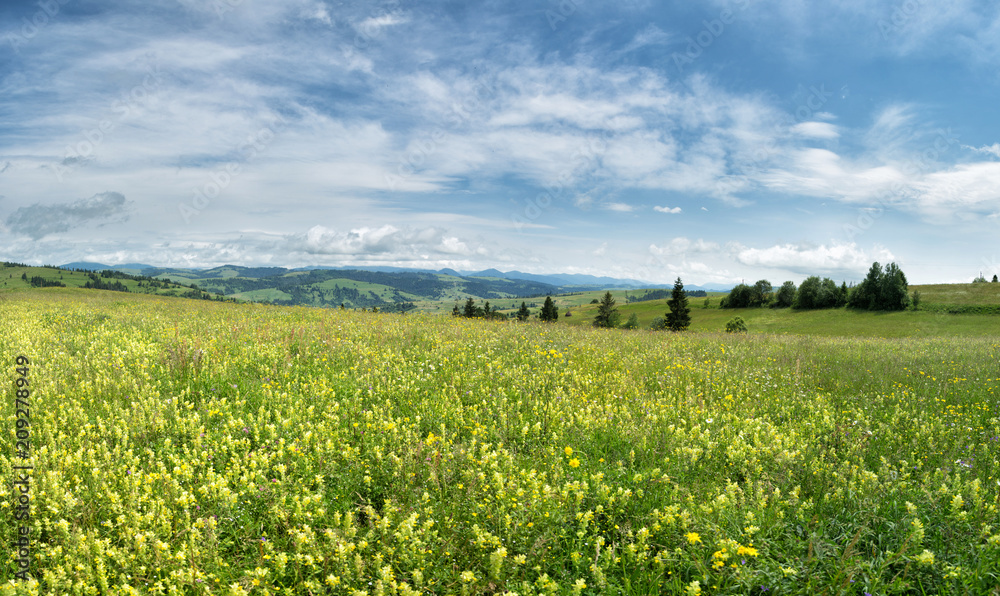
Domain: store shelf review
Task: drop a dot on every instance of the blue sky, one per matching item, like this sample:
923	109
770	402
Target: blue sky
715	140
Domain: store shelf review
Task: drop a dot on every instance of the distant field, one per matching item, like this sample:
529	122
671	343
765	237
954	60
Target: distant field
831	322
11	279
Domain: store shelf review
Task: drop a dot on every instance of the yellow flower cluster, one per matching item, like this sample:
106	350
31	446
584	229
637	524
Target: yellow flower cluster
201	448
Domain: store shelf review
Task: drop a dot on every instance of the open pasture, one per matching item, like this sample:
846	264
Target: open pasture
187	447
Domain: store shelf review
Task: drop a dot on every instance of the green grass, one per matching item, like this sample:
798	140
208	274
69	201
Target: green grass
11	279
204	448
929	321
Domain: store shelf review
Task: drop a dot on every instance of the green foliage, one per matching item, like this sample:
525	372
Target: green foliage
594	301
744	296
980	279
679	317
816	293
523	313
881	289
550	312
470	308
607	312
659	324
632	322
915	299
736	325
738	297
785	296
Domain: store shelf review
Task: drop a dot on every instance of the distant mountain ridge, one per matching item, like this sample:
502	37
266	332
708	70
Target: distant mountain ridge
389	288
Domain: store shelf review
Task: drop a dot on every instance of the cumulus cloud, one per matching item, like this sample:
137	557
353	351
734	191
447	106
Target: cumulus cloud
812	260
38	221
681	245
667	209
385	242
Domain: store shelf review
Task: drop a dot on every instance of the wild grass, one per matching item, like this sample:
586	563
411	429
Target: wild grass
184	447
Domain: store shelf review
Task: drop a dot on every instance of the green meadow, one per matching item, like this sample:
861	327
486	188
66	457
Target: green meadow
195	447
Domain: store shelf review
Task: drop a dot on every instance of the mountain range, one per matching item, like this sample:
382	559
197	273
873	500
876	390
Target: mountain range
388	288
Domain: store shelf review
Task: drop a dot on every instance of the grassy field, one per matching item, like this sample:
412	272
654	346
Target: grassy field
11	279
930	320
190	447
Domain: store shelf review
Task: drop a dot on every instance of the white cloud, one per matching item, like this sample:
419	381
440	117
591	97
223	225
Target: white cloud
620	207
667	209
812	260
815	130
681	245
993	149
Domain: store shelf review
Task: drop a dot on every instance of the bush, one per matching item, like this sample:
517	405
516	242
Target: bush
659	324
786	295
632	322
915	299
736	325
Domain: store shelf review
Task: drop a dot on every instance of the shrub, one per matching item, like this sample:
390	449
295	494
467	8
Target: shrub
736	325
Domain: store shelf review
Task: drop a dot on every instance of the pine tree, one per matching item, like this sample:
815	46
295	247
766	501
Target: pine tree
470	308
550	312
607	312
679	317
523	313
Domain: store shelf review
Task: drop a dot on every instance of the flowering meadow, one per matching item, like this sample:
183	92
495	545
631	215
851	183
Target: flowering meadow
184	447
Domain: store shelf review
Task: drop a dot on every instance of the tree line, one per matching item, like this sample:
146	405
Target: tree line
883	289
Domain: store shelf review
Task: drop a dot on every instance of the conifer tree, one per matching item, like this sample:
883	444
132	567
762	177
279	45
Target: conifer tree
470	308
679	317
550	312
523	313
607	312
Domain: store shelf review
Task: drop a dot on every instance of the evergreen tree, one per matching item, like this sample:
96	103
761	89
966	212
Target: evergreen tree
607	312
470	308
523	313
679	317
550	312
994	278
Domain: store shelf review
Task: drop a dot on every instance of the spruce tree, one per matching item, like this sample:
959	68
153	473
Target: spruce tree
607	312
679	317
470	308
550	312
523	313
